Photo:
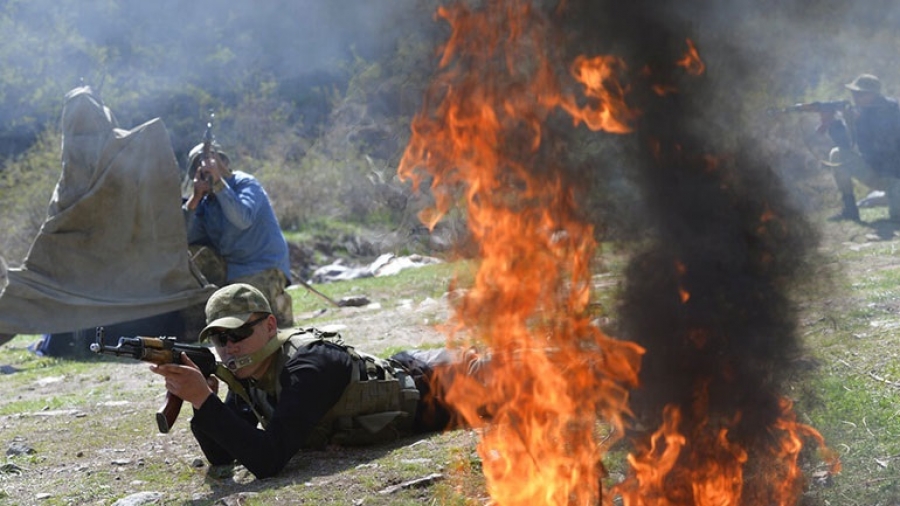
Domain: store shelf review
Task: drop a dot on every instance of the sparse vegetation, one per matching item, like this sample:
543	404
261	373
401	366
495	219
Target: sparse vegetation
90	422
325	138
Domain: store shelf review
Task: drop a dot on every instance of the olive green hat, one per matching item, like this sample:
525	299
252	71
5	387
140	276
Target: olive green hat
866	83
231	306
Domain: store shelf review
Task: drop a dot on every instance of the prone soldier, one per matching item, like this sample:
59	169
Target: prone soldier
295	389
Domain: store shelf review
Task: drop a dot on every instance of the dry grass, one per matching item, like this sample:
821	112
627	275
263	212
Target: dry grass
90	423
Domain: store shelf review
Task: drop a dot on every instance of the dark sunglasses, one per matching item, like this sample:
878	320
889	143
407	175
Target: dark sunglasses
221	337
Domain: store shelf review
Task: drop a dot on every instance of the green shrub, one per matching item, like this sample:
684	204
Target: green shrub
26	186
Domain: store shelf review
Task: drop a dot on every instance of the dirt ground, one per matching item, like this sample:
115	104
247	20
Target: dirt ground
375	328
83	432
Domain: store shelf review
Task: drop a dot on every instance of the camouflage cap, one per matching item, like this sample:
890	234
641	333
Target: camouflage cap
866	83
231	306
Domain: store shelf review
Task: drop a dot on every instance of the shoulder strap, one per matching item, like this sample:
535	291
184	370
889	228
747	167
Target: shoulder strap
225	374
289	343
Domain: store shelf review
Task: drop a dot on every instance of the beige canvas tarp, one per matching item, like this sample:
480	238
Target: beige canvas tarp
113	247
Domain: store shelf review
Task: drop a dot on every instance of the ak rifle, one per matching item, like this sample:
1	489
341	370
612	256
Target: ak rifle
208	139
827	111
160	350
819	107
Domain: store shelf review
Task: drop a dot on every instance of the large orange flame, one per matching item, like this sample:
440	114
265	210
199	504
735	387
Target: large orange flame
556	394
558	385
706	468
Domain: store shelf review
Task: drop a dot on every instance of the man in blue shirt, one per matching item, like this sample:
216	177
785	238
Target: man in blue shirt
230	219
873	126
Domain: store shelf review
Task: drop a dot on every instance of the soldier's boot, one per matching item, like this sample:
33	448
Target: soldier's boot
850	212
842	165
893	197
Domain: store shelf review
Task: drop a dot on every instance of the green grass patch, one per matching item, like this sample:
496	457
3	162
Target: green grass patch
848	326
415	284
860	420
321	227
42	404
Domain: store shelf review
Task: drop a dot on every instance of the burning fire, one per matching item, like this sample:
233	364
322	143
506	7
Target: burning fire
706	468
557	394
691	62
558	384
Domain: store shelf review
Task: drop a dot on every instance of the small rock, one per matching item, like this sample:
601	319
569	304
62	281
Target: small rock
10	468
114	404
42	496
49	380
8	369
424	481
140	499
19	448
46	411
823	478
354	301
416	461
238	499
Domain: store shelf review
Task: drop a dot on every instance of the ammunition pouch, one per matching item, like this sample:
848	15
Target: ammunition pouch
378	405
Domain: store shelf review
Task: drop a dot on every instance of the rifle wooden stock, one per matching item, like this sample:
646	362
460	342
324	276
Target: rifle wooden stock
168	413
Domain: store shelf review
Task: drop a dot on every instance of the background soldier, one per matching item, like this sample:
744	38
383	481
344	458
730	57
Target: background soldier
233	232
873	127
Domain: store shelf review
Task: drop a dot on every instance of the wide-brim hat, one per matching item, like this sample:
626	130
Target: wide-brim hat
865	83
232	306
196	151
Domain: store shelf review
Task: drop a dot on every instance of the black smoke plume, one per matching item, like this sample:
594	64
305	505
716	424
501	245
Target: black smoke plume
708	291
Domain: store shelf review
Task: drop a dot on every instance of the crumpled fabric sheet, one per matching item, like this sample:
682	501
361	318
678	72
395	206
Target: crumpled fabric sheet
113	247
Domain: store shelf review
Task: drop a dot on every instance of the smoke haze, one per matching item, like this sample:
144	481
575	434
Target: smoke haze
145	57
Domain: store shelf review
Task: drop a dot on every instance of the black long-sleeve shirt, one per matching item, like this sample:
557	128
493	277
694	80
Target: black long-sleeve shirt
311	381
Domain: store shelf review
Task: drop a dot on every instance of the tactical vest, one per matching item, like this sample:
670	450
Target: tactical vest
377	405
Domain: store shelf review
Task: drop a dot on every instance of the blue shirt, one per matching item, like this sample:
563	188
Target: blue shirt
239	223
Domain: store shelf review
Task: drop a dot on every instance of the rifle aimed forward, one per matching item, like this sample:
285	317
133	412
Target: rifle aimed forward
819	107
827	111
160	350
